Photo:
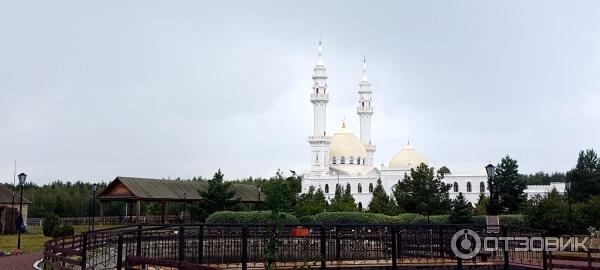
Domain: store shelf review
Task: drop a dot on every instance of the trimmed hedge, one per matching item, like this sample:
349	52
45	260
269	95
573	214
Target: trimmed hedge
352	218
257	217
410	218
62	230
307	220
513	220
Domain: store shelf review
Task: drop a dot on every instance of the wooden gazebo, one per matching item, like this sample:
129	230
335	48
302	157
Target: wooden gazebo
134	190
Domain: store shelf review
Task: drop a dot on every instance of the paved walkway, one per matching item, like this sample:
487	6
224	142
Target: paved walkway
20	262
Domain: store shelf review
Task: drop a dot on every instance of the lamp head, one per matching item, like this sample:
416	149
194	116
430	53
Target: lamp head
22	178
490	169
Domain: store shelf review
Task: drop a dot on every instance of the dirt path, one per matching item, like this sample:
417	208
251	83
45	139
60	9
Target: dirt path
20	262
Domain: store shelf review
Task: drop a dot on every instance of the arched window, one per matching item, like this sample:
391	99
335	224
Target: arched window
370	187
348	188
358	160
326	188
342	160
351	160
363	104
359	188
334	160
455	187
468	186
363	161
482	187
317	91
360	206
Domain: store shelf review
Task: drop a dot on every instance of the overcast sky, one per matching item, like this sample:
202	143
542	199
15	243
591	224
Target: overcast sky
95	89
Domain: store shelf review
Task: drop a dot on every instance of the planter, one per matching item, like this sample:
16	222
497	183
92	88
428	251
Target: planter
300	232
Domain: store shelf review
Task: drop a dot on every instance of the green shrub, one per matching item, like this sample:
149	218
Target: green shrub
256	217
439	219
307	220
513	220
410	218
478	220
352	218
62	230
50	222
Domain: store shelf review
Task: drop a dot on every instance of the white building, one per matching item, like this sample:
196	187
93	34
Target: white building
346	160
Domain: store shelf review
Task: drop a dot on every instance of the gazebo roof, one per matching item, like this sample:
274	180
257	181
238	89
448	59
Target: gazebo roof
133	188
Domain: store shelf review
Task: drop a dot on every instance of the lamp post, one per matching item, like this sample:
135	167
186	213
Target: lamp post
259	191
184	207
568	191
94	187
490	170
427	187
22	178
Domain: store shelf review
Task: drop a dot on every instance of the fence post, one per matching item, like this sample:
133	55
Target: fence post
200	244
120	252
458	263
138	240
589	253
394	248
244	248
323	254
181	243
84	246
505	248
544	254
441	241
338	248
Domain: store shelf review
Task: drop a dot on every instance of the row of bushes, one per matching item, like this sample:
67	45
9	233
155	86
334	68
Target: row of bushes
351	218
255	217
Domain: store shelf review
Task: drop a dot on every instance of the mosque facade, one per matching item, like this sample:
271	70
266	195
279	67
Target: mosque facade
347	160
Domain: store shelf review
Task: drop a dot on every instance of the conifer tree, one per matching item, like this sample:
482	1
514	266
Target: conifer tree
461	210
219	196
311	202
481	206
508	188
585	177
422	193
342	201
380	201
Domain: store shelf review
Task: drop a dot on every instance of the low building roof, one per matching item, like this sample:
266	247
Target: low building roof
134	188
6	196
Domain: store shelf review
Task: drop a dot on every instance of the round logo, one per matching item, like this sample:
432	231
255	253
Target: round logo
465	244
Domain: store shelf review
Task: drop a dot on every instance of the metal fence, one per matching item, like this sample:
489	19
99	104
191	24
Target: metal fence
243	246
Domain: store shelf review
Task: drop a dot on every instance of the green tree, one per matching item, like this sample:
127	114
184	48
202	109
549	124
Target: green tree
281	192
549	213
442	171
585	177
481	206
219	196
342	201
59	206
507	188
461	210
382	203
422	193
311	202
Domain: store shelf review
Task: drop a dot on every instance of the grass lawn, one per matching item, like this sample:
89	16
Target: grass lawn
34	239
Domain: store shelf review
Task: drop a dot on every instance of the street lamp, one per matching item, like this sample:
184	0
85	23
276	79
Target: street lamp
22	178
184	207
427	186
94	187
568	191
490	170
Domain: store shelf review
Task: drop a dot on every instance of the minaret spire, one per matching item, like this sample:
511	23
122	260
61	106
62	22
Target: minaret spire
319	97
365	111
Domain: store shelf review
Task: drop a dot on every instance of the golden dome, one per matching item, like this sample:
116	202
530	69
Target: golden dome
346	148
408	158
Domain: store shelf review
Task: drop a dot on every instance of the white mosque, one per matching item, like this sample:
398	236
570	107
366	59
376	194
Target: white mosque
347	160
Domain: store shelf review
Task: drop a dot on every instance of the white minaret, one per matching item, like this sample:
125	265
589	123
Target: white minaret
319	142
365	111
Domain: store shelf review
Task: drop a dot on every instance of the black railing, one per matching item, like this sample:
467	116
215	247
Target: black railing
243	246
